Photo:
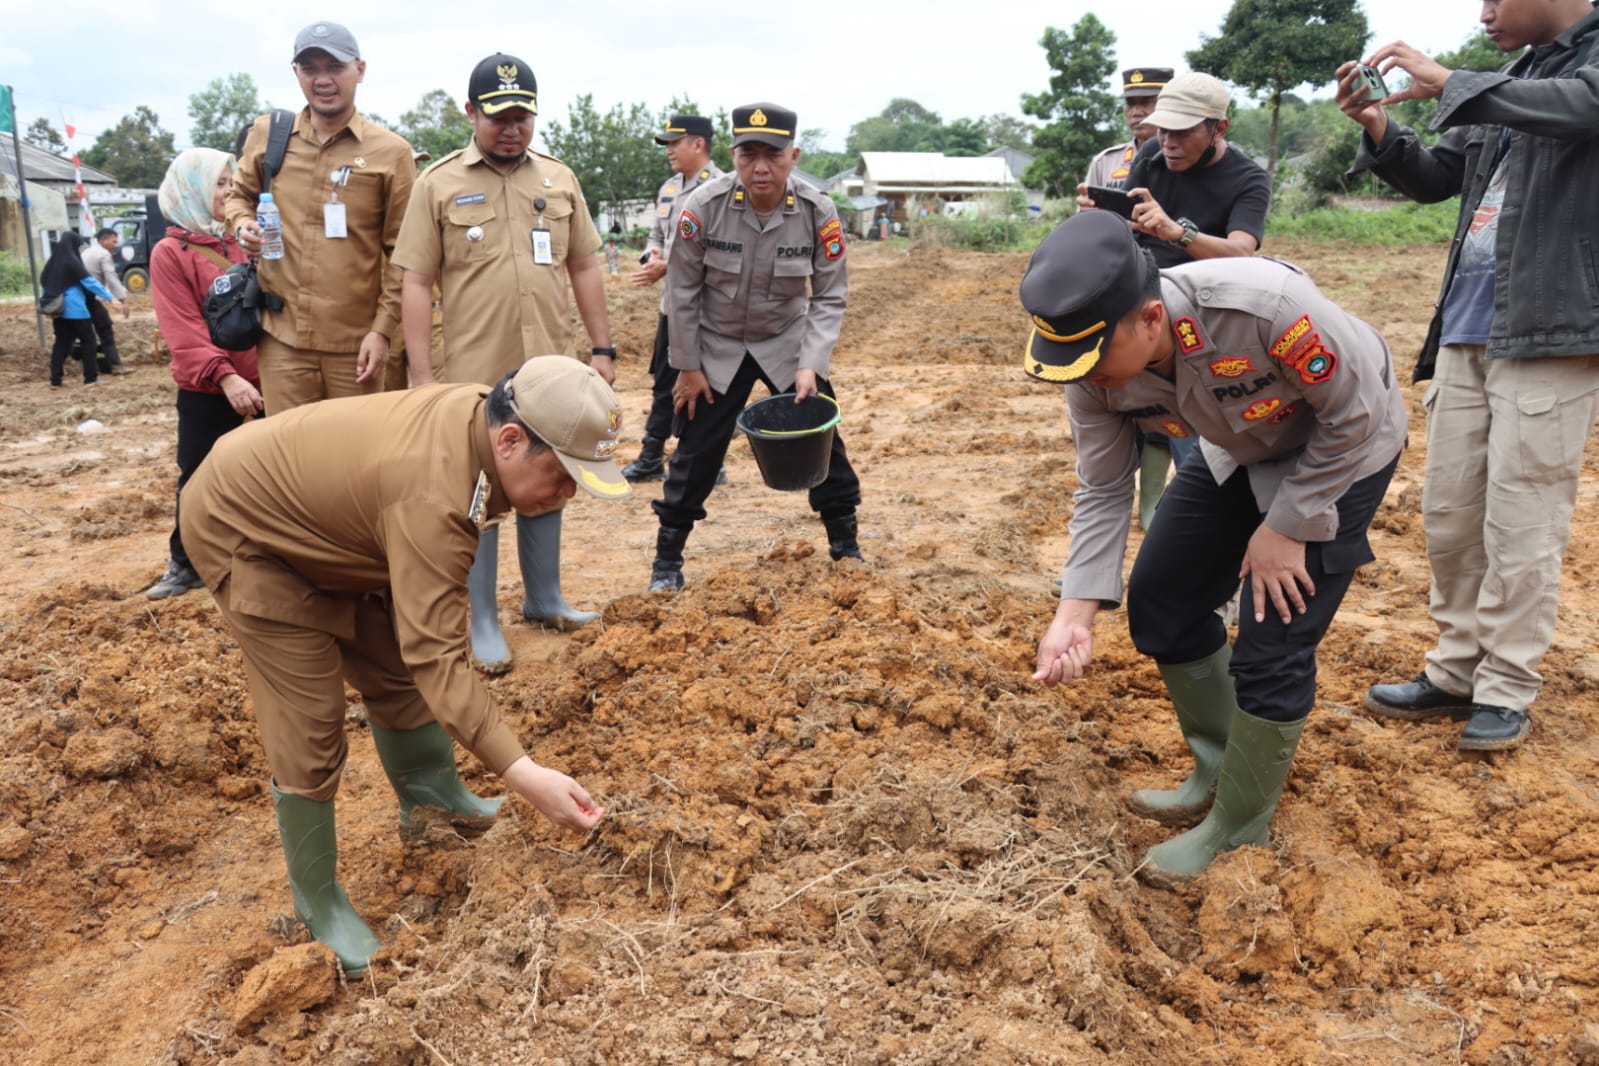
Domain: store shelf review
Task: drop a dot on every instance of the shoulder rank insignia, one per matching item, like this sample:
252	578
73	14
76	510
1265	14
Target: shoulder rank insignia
478	510
1188	338
704	174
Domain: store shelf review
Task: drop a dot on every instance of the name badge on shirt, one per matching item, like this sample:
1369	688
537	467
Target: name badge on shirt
543	252
333	221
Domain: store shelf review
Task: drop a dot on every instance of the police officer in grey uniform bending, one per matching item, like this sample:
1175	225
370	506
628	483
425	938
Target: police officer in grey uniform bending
754	292
1302	422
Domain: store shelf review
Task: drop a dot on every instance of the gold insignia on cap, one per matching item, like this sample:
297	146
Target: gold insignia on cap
507	73
1137	77
758	118
602	488
1047	331
613	421
1076	369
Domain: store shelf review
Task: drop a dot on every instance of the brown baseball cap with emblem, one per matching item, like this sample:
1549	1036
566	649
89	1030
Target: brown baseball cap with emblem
1145	81
575	412
1086	275
501	82
680	126
1189	99
764	123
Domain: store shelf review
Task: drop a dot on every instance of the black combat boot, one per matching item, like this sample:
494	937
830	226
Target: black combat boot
841	543
667	573
650	464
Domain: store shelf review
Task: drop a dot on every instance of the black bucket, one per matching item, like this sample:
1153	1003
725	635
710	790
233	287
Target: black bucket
792	442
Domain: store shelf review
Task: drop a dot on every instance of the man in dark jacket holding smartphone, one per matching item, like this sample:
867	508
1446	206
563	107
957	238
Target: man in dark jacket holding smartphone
1511	350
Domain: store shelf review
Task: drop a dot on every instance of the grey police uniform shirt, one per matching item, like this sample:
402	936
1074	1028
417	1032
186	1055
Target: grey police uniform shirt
1110	167
668	206
734	285
1274	376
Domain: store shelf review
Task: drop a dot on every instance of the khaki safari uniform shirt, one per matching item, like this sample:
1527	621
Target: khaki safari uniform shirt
1275	378
735	285
669	205
1110	167
335	290
470	228
294	518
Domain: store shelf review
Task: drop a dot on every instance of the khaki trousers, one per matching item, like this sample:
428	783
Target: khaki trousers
1505	440
293	377
296	679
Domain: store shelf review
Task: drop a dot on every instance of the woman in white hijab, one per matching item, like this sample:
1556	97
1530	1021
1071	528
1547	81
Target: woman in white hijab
217	389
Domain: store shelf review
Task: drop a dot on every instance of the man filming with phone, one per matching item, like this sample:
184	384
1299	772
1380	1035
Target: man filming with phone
1194	196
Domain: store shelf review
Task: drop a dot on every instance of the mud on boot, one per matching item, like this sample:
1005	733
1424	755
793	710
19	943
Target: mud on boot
666	573
841	542
420	765
1203	695
311	849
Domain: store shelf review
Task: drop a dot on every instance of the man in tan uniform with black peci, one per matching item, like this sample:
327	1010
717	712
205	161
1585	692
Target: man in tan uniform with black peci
687	139
754	292
336	540
342	192
500	230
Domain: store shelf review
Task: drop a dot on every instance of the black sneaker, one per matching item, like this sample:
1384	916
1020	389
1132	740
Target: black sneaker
178	579
1494	728
1412	701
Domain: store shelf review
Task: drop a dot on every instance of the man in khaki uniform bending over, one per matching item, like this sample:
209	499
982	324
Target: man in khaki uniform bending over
501	229
336	540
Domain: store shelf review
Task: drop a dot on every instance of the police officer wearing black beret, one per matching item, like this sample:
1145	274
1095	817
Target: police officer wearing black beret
1302	422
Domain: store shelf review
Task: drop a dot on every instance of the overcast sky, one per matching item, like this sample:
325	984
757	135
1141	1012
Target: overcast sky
835	64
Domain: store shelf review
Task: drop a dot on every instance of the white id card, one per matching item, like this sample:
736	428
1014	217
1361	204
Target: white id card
542	253
333	221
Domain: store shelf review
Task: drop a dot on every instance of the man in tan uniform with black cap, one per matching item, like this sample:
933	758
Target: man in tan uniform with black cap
754	292
687	139
336	540
1302	422
1140	86
501	230
342	192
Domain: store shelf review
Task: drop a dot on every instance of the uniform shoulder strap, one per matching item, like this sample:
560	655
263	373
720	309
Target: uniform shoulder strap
277	146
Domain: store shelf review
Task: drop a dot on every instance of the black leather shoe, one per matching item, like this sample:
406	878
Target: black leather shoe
1412	701
1494	728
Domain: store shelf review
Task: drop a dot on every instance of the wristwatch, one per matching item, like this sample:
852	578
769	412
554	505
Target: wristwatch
1190	231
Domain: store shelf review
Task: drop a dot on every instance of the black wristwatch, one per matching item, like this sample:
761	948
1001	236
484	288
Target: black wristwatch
611	351
1190	231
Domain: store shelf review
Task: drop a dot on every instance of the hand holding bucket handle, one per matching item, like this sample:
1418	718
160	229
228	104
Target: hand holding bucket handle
804	385
691	386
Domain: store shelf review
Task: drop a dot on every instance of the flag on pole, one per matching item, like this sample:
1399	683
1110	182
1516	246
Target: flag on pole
8	115
86	223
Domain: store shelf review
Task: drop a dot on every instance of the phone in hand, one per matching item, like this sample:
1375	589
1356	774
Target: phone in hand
1116	201
1371	78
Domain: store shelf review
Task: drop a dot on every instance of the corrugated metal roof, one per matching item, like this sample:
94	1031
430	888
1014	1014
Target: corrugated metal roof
933	168
42	166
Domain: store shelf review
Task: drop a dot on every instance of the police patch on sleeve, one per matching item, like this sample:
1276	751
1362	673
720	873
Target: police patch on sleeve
1312	359
831	236
688	227
1291	336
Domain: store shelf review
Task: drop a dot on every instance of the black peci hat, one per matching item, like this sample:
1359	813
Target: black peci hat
680	126
1084	277
764	123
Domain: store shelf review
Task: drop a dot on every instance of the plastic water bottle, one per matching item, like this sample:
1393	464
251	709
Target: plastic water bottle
271	223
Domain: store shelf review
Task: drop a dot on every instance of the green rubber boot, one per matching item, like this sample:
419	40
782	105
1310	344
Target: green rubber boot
311	847
1253	772
420	764
1202	692
1152	470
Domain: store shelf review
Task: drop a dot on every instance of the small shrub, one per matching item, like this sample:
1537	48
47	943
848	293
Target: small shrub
14	277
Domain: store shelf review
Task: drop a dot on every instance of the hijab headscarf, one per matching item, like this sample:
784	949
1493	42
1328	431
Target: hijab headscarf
189	187
65	267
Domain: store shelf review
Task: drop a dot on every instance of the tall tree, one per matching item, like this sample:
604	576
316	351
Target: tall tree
614	153
822	162
1008	131
1081	114
1270	47
903	126
721	124
222	109
437	124
43	135
136	151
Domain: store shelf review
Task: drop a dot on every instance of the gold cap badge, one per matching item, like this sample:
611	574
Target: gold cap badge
758	118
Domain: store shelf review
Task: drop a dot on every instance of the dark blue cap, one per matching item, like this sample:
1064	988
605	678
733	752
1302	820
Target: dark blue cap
1084	277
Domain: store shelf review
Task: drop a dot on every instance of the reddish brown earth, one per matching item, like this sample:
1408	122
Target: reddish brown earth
846	827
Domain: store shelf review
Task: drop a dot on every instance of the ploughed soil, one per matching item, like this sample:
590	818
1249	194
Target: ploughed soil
845	826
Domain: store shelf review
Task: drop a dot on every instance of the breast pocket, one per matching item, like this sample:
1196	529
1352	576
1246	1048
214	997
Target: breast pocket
723	271
791	278
470	231
362	196
558	220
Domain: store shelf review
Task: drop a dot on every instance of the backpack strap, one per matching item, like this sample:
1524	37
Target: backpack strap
277	146
209	253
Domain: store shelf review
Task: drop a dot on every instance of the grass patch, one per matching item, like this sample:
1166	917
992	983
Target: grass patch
1401	223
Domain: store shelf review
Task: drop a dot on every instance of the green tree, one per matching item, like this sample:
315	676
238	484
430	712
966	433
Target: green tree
1303	126
1272	46
903	126
1008	131
437	124
43	135
721	153
136	151
614	153
222	109
822	162
1081	115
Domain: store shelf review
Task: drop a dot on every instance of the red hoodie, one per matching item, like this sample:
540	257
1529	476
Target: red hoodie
180	278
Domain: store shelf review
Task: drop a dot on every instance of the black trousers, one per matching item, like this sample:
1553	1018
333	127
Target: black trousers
659	422
702	446
202	419
70	331
1188	566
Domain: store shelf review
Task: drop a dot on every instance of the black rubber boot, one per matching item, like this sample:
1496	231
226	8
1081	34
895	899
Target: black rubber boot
650	464
841	542
666	575
311	847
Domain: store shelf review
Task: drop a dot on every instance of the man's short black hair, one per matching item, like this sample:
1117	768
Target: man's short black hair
103	232
499	412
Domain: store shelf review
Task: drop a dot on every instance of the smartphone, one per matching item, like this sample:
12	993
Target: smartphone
1376	88
1115	201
